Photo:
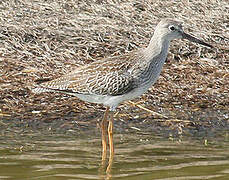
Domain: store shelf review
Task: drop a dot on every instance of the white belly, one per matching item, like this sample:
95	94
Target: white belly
114	101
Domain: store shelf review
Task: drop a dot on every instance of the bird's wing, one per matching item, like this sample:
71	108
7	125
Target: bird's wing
105	77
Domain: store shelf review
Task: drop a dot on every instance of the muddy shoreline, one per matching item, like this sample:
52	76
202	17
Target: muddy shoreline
46	40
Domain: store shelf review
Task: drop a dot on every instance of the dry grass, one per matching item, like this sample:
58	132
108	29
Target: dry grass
45	39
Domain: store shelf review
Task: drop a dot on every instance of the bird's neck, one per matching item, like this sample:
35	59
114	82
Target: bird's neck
157	49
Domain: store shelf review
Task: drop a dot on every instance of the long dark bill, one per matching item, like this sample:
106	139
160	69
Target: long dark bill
193	39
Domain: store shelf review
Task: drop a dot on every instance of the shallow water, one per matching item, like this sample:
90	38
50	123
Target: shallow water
137	156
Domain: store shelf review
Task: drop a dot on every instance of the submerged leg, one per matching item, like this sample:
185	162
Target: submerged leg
111	144
110	134
104	133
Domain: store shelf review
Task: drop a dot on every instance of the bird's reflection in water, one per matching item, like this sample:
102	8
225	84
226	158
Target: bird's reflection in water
106	165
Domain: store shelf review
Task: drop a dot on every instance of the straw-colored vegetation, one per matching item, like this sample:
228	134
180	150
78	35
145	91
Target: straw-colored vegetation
48	38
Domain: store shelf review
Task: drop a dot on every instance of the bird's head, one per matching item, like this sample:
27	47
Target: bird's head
169	29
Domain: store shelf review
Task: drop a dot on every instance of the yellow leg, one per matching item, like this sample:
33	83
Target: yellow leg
111	144
110	134
110	163
104	133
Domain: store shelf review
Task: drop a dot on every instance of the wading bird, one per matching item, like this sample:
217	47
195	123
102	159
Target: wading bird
113	80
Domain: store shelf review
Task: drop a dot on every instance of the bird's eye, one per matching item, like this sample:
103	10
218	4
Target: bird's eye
172	28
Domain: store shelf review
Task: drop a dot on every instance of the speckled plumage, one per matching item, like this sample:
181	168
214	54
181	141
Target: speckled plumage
104	77
115	79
